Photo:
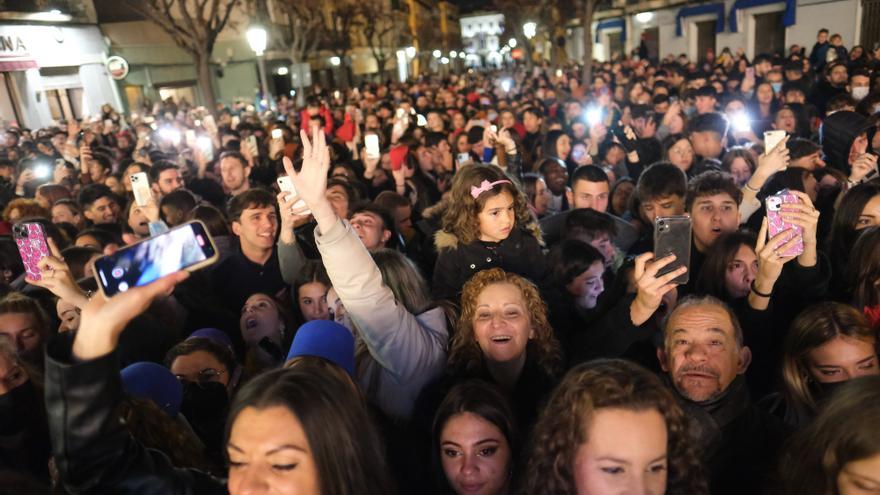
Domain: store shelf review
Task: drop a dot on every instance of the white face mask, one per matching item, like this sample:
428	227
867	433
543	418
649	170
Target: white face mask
860	92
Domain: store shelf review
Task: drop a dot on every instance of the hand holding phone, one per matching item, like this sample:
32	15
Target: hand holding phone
776	224
371	141
140	186
771	139
672	236
33	246
185	247
285	184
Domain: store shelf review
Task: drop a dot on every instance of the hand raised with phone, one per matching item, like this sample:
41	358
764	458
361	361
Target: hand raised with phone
311	180
865	165
55	276
650	287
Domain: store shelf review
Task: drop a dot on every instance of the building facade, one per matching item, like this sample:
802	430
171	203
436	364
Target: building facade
481	34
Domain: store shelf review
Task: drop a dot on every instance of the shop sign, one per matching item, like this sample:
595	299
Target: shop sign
117	67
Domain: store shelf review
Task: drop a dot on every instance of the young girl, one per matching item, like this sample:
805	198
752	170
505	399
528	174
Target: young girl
487	225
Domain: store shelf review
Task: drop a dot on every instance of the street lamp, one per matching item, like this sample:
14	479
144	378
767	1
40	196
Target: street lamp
411	51
512	42
335	61
453	54
436	53
530	29
257	38
644	17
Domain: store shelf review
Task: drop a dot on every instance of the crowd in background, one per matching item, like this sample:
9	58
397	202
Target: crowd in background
456	290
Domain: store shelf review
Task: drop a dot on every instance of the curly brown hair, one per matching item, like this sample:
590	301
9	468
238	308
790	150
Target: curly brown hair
564	422
461	217
465	353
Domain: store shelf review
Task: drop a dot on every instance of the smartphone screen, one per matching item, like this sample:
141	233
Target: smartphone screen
372	143
186	247
285	184
277	133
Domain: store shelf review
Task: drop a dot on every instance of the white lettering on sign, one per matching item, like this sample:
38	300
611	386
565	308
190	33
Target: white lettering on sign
12	44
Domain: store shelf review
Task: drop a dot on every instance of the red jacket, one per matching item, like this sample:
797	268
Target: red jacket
323	112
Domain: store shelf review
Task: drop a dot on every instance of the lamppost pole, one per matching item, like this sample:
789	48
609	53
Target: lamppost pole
257	39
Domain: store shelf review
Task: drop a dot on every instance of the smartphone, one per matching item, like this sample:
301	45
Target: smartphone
252	143
235	121
421	121
140	186
285	184
494	128
464	158
371	141
185	247
277	133
207	148
771	139
775	223
672	235
627	143
400	113
190	137
30	237
42	171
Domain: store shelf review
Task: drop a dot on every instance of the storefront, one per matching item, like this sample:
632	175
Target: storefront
51	73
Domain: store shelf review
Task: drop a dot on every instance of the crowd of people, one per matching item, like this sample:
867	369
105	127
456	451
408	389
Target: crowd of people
449	285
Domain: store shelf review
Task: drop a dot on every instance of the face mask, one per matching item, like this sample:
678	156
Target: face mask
777	87
18	407
876	109
204	400
860	92
690	111
825	391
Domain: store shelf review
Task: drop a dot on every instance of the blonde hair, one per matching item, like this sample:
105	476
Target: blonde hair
465	352
461	218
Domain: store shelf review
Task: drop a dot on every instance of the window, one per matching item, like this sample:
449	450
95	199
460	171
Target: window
8	107
769	33
705	38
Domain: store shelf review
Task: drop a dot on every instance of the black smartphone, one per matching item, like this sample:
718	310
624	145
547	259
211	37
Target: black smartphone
185	247
672	235
627	143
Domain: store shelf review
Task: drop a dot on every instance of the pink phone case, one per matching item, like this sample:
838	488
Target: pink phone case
32	246
775	223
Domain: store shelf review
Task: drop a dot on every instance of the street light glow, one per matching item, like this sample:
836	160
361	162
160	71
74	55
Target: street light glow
444	60
644	17
530	29
410	51
257	37
453	54
436	53
512	42
282	71
335	61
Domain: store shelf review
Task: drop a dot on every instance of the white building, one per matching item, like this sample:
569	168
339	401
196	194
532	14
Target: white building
756	26
481	36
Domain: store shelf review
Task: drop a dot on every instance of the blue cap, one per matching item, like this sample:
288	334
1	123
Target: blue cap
325	339
154	382
217	335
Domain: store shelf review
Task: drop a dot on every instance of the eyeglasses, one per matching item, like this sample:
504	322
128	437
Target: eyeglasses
204	376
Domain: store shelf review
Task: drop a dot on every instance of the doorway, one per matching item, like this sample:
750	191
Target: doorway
705	38
651	36
769	33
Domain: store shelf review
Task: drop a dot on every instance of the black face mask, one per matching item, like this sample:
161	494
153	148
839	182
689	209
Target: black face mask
825	391
18	407
204	401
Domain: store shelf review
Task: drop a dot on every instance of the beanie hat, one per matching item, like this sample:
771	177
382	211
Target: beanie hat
217	335
325	339
837	134
146	380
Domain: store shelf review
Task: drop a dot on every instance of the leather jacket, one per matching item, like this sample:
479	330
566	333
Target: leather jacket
93	451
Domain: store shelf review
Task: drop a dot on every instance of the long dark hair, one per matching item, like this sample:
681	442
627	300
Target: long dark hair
711	279
484	400
863	269
348	453
843	226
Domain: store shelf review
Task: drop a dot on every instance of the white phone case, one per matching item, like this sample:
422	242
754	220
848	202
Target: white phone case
286	185
140	186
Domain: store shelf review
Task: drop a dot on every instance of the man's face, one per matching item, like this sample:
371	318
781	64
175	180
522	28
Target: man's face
58	141
860	81
435	122
556	178
103	210
169	180
785	120
795	96
593	195
663	206
839	75
701	354
711	217
705	104
822	37
61	213
707	144
338	198
370	229
22	331
256	228
531	123
234	174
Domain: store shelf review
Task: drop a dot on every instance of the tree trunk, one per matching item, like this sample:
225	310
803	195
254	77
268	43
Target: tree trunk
587	23
203	73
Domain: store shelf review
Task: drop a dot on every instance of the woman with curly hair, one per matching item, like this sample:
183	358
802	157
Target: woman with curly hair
504	337
487	225
612	427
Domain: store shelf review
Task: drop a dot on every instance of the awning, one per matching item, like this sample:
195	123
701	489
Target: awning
11	65
618	23
712	8
788	17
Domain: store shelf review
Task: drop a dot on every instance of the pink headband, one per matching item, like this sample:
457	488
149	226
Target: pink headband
486	186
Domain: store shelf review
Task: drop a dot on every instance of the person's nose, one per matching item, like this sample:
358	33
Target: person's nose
469	465
252	482
751	274
697	352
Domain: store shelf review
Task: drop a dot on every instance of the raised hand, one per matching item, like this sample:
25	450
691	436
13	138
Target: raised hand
864	164
650	287
55	277
104	319
311	180
770	258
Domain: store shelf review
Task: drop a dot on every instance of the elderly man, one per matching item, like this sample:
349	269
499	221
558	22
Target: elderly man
704	356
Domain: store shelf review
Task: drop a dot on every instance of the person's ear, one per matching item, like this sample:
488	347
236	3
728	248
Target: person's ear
386	234
569	197
236	228
745	359
88	214
661	357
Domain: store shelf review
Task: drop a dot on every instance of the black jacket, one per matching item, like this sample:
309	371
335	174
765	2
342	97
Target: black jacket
738	441
93	451
520	253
